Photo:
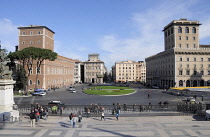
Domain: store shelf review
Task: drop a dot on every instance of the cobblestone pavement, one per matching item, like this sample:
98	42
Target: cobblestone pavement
156	126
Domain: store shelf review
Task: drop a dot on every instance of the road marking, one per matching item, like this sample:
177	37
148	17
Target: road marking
32	100
19	100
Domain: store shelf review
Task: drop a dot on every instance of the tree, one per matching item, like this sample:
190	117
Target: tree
33	56
20	78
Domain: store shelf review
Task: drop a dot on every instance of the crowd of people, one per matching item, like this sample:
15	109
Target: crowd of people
38	112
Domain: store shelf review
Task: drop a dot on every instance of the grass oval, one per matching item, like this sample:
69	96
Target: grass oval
108	90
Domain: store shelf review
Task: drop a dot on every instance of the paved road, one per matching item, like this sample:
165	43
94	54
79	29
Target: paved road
164	126
79	98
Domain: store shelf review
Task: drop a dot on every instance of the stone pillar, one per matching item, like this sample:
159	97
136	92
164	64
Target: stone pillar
7	101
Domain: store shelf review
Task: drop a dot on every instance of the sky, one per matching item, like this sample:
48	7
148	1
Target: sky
118	30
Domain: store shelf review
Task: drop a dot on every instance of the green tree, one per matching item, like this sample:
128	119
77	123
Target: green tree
33	56
20	78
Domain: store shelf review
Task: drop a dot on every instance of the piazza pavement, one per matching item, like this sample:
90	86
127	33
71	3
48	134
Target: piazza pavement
148	126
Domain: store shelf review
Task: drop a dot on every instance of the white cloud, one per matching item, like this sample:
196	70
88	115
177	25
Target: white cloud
147	26
8	34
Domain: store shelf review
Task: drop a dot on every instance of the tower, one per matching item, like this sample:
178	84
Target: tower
181	34
36	36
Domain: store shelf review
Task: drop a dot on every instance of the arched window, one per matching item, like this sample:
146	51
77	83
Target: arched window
179	29
180	83
187	83
193	30
195	83
202	83
186	30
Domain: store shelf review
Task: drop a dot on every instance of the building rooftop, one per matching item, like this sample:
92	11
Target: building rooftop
34	27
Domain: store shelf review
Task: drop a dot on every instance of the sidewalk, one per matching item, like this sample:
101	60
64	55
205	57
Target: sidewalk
156	126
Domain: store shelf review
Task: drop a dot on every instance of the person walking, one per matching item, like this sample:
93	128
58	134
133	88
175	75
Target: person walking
74	119
32	117
117	115
70	118
102	116
79	116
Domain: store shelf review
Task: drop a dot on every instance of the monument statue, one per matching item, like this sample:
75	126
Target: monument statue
7	111
5	73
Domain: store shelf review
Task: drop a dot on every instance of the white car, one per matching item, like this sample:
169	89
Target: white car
73	91
42	93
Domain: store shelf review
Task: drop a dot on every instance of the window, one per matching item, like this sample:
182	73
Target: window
194	46
23	42
180	59
31	42
39	32
188	65
201	65
208	59
168	32
194	72
38	42
38	82
193	30
201	59
186	37
187	72
172	31
194	59
180	45
187	45
202	72
30	82
180	72
193	38
23	33
180	38
179	29
208	72
31	32
186	30
188	59
165	34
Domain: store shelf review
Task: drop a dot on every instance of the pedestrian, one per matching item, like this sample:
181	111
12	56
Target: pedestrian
88	112
74	119
79	116
102	116
61	110
148	95
117	115
70	118
32	118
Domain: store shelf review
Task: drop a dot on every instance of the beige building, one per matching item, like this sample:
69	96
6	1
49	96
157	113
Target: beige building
127	71
183	63
94	69
52	74
77	71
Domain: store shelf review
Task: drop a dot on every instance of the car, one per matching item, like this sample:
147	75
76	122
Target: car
191	99
73	91
55	102
42	93
155	87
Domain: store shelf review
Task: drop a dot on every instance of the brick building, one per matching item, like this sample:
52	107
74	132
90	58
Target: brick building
53	74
